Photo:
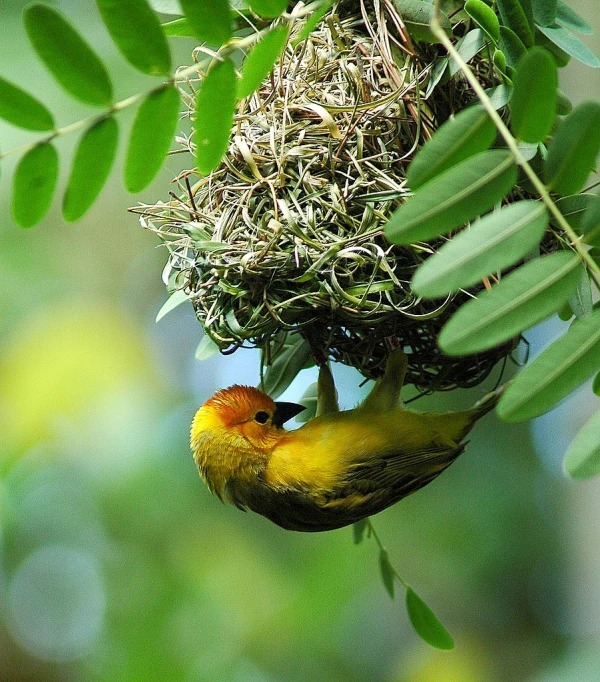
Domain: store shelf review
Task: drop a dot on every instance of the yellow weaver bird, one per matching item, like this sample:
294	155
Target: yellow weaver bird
336	469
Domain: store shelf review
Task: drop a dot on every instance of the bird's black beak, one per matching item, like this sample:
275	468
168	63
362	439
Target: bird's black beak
284	412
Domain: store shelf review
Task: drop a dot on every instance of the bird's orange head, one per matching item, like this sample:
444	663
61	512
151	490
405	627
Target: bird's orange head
234	432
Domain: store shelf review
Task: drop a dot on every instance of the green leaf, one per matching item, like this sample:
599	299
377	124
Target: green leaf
560	56
137	33
583	456
467	47
490	245
484	17
570	44
499	96
268	8
311	22
210	19
178	297
67	56
358	529
565	313
416	15
533	102
544	12
93	160
574	207
468	133
178	28
426	623
259	61
151	136
499	61
21	109
590	223
555	372
596	384
286	365
511	45
309	401
206	349
514	16
573	151
581	302
568	18
564	105
33	185
521	299
454	197
387	572
215	107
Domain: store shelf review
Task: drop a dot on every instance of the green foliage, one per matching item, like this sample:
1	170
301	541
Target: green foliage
151	136
426	623
511	45
449	200
533	102
268	8
573	151
21	109
387	572
490	245
521	299
468	133
583	456
137	33
569	19
260	60
178	297
34	184
309	400
558	370
417	15
93	160
544	12
485	17
210	20
206	349
513	15
455	177
570	44
289	360
67	56
358	530
215	106
590	222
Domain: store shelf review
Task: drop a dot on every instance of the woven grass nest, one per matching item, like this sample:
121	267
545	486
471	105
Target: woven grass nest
286	234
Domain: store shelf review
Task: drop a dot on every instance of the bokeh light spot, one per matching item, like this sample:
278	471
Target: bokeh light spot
56	603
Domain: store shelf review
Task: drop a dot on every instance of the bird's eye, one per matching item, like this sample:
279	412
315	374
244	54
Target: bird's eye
261	417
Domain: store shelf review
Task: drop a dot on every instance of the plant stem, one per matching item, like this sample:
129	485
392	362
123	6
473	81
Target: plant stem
372	532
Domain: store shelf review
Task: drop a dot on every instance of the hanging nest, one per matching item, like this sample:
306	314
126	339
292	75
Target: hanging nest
286	234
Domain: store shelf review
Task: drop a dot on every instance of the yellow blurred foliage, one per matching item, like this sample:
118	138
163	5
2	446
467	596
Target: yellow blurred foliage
58	363
469	662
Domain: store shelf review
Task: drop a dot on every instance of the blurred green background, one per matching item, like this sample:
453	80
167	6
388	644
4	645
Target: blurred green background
117	564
